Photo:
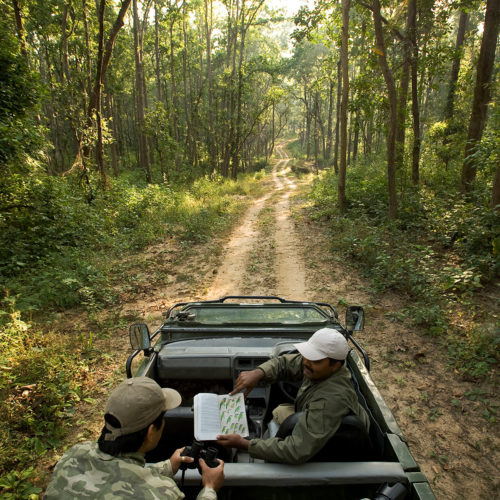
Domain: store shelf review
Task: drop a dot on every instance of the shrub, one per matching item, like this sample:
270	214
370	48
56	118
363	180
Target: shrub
440	250
41	379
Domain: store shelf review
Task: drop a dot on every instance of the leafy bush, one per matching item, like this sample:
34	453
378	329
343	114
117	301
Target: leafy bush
42	377
56	247
438	252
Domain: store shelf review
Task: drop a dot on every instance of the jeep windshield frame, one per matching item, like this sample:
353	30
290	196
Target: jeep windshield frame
219	314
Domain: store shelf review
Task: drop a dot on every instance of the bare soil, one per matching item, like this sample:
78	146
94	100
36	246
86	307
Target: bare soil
276	249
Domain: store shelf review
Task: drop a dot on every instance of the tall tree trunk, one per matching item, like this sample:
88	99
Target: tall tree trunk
455	68
99	77
189	146
495	193
175	98
412	33
391	91
403	96
21	33
208	48
65	36
114	131
482	91
329	126
337	118
108	51
307	138
356	137
159	90
88	63
139	95
238	139
344	60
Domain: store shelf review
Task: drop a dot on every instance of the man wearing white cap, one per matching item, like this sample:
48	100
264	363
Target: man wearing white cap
325	397
114	467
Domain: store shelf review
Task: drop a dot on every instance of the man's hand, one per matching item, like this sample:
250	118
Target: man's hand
247	380
233	441
212	477
176	460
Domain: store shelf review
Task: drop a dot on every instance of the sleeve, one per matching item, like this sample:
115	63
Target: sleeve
314	428
207	494
286	367
162	468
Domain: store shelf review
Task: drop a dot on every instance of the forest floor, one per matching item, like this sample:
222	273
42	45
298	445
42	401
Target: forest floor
276	249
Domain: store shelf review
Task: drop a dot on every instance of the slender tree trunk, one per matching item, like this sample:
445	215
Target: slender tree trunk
159	90
482	91
208	48
21	33
307	138
65	36
403	97
139	96
412	33
112	146
344	59
88	63
495	193
337	118
329	126
99	77
175	98
356	137
455	69
391	91
108	51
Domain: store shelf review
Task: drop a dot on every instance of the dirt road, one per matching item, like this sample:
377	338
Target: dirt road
278	250
287	278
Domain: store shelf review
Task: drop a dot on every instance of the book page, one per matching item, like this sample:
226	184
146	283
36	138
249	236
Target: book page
206	417
233	418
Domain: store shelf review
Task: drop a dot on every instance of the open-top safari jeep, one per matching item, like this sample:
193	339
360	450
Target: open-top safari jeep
202	347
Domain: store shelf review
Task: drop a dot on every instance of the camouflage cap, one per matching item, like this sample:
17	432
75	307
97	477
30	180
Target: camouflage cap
136	403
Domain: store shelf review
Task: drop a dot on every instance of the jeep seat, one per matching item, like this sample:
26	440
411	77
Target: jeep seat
351	442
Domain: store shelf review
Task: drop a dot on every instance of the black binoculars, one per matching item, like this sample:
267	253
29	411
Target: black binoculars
197	450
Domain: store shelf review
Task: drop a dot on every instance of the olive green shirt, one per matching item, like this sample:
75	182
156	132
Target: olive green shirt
86	472
324	403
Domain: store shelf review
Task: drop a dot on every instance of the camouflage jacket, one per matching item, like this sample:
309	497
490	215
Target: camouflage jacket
323	402
86	472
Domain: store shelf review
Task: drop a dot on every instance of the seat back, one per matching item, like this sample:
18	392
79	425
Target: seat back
350	443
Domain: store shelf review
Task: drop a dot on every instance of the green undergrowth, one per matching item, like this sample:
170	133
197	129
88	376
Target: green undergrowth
439	253
42	377
57	248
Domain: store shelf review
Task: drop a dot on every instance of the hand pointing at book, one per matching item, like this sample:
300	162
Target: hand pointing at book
233	441
247	380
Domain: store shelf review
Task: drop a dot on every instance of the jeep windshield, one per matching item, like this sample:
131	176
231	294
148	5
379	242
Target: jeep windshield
255	314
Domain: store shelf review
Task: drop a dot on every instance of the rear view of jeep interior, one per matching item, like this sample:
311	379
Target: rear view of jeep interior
202	347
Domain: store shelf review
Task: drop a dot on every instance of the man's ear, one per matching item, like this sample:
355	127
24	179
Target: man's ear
335	364
149	440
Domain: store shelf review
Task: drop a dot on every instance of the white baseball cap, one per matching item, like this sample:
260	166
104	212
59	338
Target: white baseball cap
325	343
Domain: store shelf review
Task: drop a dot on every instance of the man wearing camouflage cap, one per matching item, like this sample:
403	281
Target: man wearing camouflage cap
114	467
324	398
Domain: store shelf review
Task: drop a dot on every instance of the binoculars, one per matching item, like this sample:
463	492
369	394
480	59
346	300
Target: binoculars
197	450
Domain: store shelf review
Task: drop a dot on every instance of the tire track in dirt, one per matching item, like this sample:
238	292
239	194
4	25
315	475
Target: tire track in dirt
289	268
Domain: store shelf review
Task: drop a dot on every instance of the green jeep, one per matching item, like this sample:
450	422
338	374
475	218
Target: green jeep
202	347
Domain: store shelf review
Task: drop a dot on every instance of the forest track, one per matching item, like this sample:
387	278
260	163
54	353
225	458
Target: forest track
289	269
277	249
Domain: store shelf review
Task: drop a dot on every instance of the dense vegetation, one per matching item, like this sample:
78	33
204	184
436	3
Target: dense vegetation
124	123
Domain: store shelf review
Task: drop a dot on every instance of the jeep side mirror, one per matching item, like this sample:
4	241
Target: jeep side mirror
354	318
139	336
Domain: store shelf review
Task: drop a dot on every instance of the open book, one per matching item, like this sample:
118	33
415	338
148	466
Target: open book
215	414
